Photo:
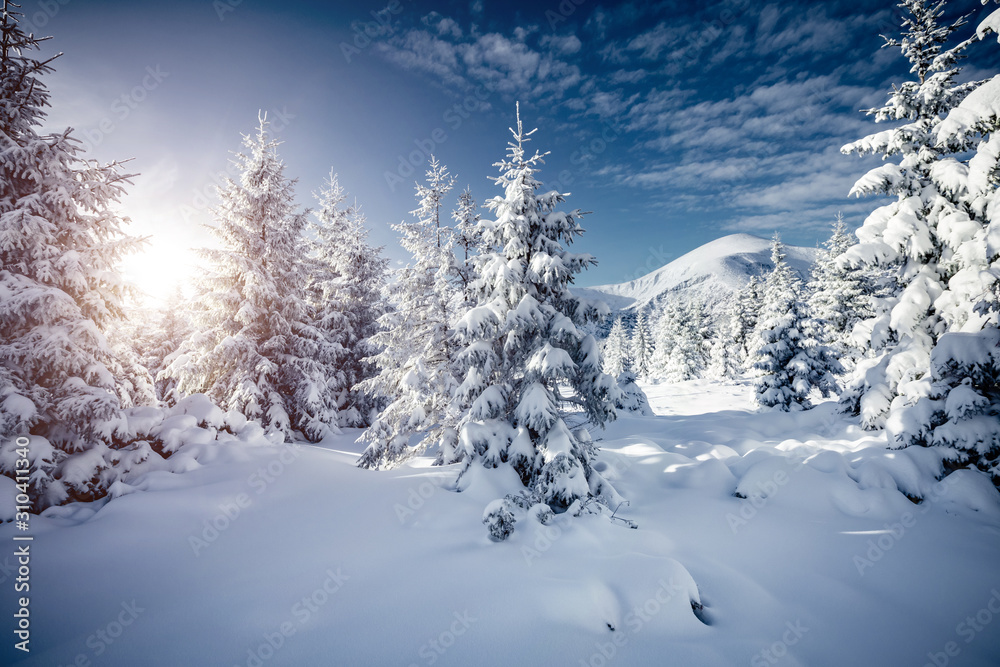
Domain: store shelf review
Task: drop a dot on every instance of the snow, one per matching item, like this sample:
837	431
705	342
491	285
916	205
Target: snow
708	273
291	555
981	104
990	24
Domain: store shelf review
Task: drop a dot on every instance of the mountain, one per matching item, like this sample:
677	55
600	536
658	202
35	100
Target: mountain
711	273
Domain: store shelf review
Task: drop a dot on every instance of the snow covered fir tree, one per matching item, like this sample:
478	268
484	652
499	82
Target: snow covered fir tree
840	296
936	237
61	241
258	349
417	360
789	362
526	365
617	356
345	294
641	346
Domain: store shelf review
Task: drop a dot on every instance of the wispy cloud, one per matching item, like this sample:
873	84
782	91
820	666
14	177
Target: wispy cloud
519	65
736	108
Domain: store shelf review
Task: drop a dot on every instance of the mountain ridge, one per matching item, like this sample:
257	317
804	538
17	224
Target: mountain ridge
710	272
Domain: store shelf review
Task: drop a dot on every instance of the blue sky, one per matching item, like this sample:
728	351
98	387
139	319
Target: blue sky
674	123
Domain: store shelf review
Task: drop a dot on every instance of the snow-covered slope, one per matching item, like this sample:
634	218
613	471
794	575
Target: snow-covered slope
710	272
289	555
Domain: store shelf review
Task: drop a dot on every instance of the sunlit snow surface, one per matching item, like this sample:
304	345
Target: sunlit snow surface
825	562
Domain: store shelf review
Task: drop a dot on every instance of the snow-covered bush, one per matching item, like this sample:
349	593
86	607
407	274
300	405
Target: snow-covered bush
499	520
632	398
151	439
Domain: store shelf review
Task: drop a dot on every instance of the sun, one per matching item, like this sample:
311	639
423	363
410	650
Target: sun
160	267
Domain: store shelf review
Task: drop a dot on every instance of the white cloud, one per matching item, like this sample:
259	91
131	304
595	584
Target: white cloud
562	44
508	65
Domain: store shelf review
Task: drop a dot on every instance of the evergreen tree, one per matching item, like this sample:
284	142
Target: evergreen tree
617	358
641	346
736	341
789	363
686	360
345	292
910	234
954	400
468	234
682	336
726	355
256	349
525	359
840	295
665	337
168	328
416	364
61	292
747	314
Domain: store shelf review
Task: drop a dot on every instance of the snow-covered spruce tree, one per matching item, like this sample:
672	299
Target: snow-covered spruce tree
617	357
256	349
417	361
166	329
906	235
60	290
681	342
468	235
746	314
735	342
955	403
698	332
641	346
665	339
789	364
525	361
135	384
345	294
725	358
840	295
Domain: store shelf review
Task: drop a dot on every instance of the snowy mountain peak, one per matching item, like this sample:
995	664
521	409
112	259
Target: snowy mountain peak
710	272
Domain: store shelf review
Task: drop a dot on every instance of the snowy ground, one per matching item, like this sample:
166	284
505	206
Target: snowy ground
292	556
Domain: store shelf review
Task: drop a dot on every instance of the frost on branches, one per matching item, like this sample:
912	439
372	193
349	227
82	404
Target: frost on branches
60	292
416	364
789	363
526	365
256	349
